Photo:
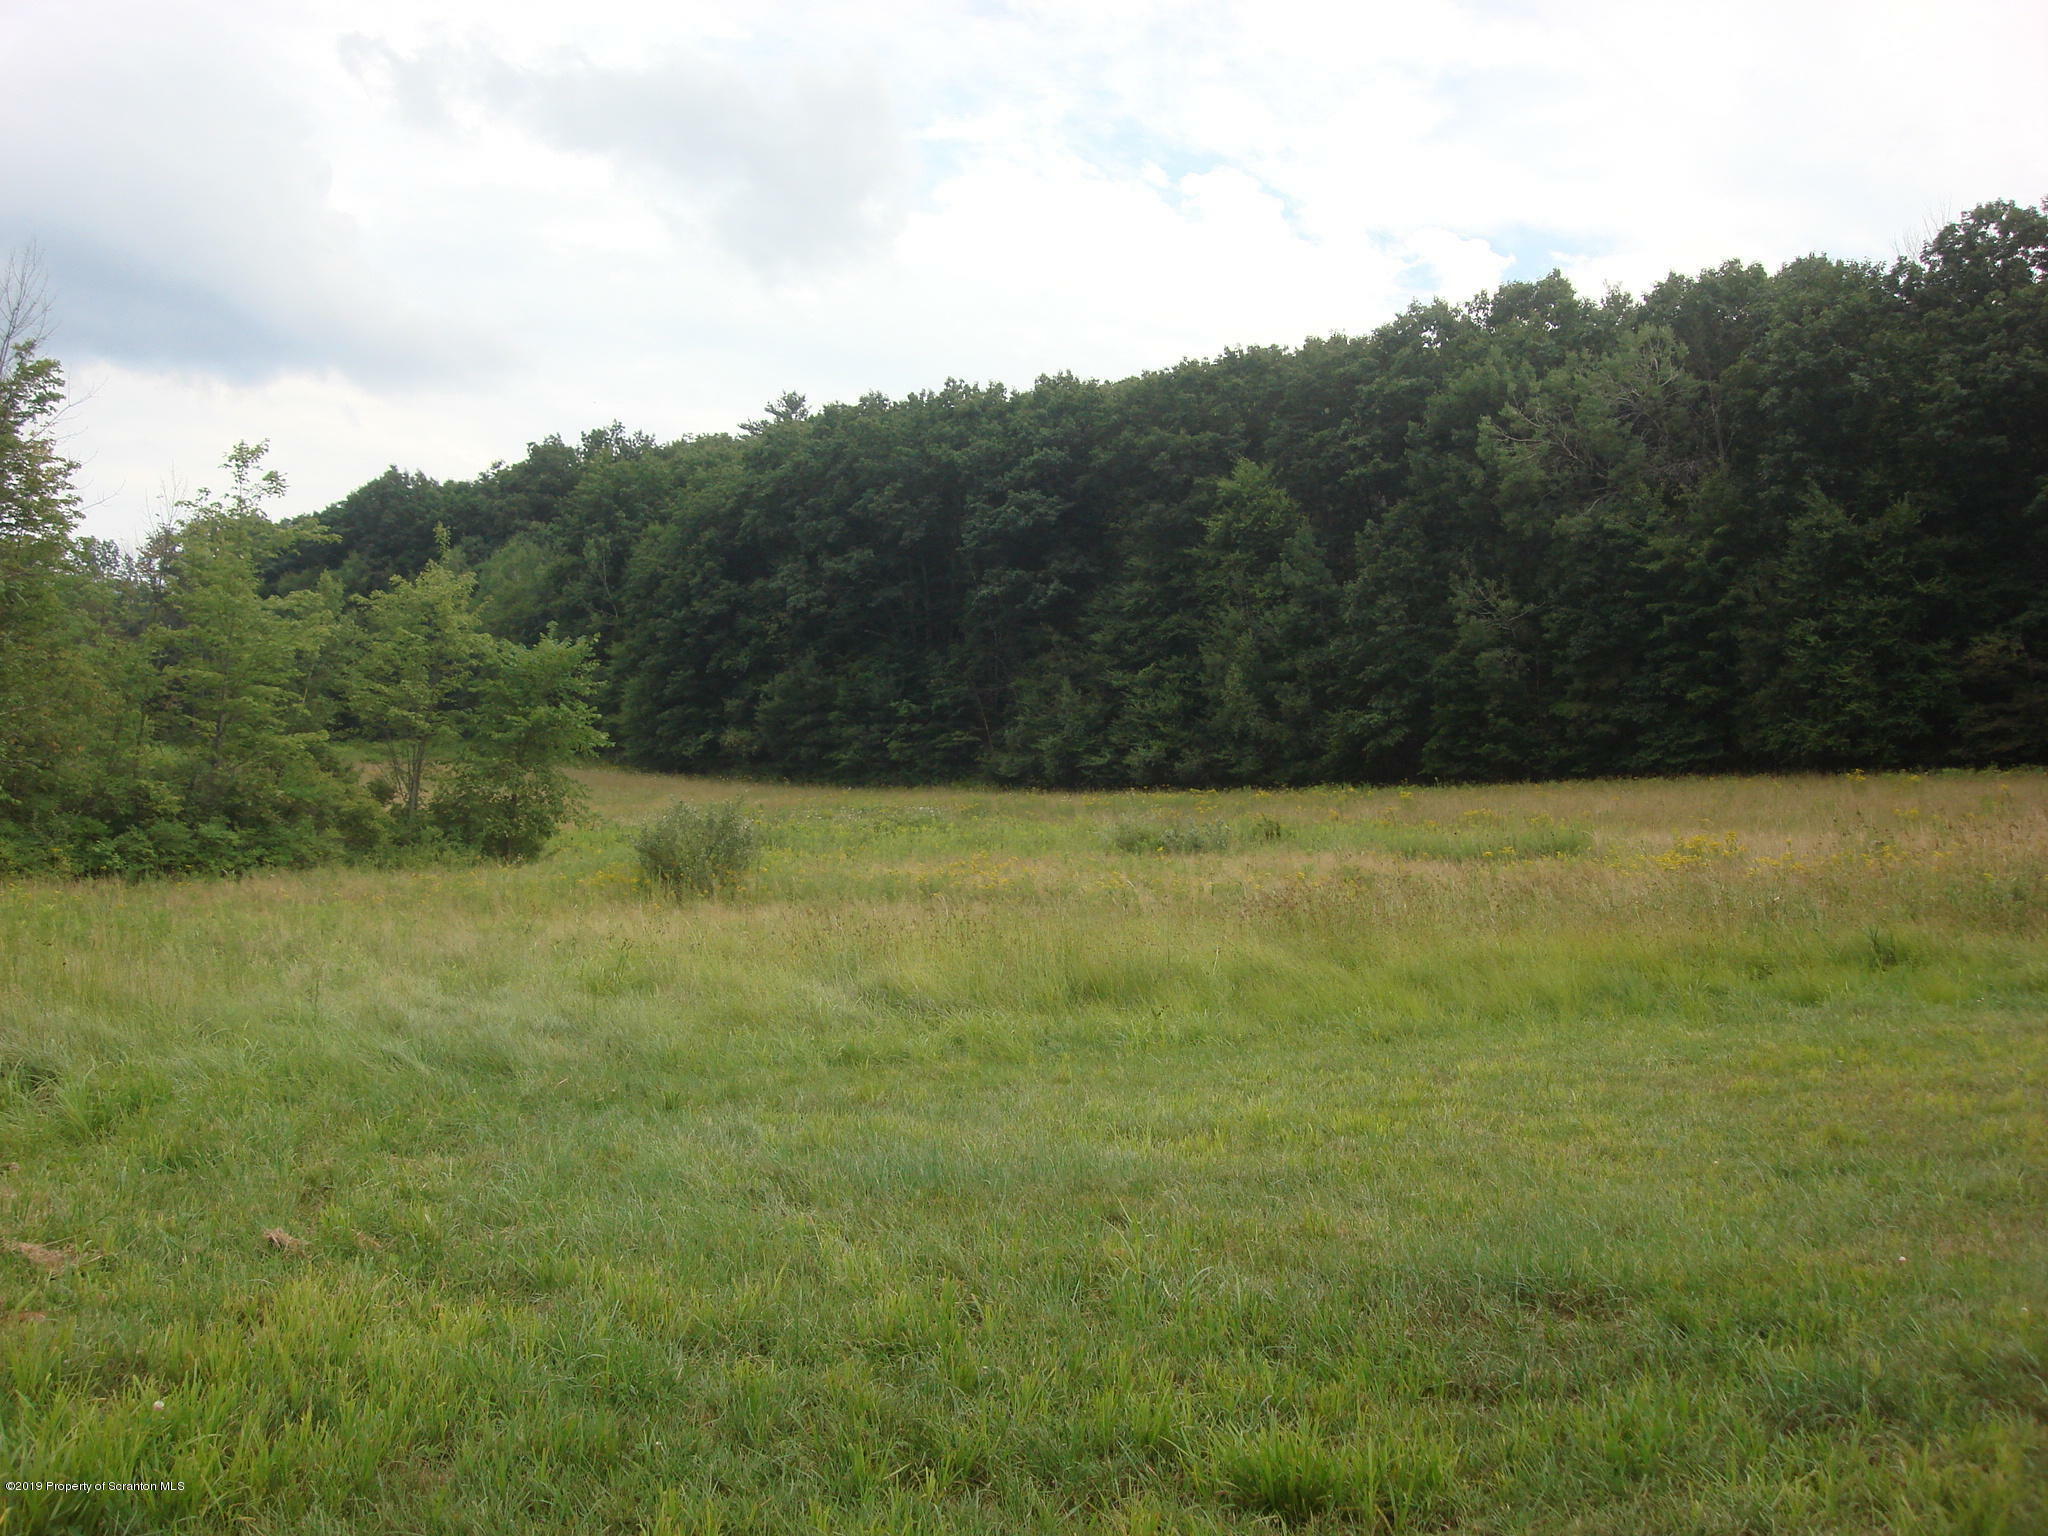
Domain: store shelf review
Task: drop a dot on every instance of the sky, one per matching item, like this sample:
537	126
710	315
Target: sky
427	234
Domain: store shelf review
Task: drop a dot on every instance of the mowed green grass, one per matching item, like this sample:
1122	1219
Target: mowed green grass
1613	1157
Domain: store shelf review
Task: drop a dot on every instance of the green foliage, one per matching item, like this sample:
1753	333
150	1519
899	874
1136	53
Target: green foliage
473	729
202	745
37	504
1751	518
1167	837
421	654
532	708
209	755
47	696
518	587
503	811
230	667
700	850
507	795
1856	674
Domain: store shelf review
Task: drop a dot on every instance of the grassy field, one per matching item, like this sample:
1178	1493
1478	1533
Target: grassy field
1600	1158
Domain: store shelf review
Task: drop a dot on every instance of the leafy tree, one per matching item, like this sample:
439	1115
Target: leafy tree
474	728
226	662
225	765
507	793
423	650
41	688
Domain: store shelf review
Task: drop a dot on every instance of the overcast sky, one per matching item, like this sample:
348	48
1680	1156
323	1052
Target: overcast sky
425	234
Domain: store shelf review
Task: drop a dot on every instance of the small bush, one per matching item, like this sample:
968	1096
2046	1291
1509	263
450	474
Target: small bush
697	849
1265	829
503	812
1167	837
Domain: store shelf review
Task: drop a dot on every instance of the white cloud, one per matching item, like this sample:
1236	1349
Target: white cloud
180	192
794	169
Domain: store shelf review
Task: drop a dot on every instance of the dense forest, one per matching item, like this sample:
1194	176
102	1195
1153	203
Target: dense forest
1748	520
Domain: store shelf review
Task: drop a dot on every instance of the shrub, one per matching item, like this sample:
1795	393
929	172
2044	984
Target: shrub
501	810
1167	837
698	849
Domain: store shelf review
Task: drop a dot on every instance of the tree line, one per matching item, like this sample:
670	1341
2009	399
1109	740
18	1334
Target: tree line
1748	520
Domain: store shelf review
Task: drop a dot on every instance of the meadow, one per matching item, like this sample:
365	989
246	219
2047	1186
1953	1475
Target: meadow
1607	1157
